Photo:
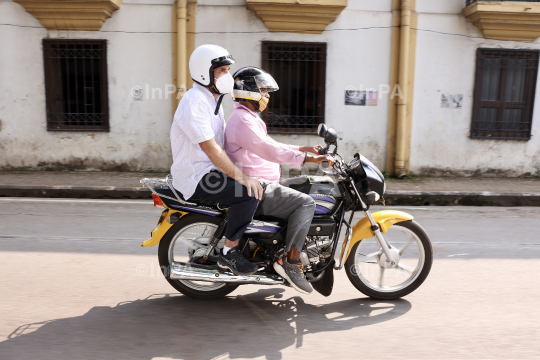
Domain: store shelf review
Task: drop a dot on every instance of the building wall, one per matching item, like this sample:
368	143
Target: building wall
139	45
354	58
445	63
139	50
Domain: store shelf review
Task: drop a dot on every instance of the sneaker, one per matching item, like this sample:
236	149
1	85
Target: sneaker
294	274
236	262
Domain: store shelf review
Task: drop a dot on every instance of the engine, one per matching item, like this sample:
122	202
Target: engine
317	252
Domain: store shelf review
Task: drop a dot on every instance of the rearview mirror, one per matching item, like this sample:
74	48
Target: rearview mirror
321	130
331	136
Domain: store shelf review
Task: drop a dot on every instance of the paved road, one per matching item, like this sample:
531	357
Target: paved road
75	284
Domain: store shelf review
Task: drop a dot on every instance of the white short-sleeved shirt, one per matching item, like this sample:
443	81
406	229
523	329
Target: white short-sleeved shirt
194	122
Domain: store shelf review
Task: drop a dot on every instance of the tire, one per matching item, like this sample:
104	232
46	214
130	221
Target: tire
196	290
421	271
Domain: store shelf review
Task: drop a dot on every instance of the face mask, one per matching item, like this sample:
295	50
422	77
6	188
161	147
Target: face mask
263	103
225	84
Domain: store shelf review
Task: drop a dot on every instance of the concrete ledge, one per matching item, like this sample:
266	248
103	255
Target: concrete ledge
409	198
84	192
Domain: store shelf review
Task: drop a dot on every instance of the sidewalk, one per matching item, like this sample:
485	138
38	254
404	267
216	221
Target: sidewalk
415	191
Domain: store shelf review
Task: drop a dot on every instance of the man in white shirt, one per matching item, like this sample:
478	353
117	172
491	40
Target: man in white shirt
197	137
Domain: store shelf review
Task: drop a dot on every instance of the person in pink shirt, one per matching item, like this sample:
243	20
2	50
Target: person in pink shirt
259	156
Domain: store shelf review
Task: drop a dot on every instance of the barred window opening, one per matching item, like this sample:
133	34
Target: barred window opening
76	85
299	69
504	94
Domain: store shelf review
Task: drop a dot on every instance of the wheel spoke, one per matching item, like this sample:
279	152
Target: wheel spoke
381	275
406	246
373	257
405	268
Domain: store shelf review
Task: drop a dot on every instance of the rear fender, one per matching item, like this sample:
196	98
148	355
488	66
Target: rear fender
164	224
386	218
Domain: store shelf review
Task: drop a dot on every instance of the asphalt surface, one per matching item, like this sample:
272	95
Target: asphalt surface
75	284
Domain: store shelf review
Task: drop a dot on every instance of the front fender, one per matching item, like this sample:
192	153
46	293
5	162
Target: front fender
164	224
386	218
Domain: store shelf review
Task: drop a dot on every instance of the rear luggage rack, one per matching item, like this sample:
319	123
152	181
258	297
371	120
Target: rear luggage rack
151	182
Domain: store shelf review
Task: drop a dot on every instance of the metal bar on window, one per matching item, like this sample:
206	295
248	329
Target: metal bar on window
295	110
499	126
516	71
72	104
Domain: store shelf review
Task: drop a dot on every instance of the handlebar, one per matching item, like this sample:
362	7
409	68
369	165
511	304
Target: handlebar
339	166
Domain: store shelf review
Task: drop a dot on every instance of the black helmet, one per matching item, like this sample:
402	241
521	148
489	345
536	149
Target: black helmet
248	83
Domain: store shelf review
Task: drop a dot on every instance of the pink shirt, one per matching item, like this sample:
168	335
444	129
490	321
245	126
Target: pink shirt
253	151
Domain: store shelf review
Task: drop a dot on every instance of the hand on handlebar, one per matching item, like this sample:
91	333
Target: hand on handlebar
319	159
326	161
312	149
317	149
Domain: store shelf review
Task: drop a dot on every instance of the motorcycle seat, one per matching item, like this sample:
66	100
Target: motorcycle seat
166	191
270	219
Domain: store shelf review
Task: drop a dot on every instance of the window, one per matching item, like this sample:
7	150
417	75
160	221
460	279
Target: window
299	69
504	94
76	85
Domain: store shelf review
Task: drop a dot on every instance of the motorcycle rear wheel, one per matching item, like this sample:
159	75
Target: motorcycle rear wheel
190	226
364	260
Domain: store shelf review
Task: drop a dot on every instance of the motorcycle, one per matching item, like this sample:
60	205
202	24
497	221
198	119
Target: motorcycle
386	254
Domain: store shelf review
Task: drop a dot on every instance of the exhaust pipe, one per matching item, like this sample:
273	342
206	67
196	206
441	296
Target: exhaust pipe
195	272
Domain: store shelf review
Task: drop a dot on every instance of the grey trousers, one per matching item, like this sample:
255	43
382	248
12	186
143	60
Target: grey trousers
286	203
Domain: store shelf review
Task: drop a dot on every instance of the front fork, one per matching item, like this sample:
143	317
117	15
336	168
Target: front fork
381	241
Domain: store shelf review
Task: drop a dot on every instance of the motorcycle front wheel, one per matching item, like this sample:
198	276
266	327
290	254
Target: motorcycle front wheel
368	271
191	227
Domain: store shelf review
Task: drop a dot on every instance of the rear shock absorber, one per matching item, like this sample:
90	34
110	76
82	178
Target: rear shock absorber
220	231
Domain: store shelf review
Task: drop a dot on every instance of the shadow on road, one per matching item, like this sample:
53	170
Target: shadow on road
177	327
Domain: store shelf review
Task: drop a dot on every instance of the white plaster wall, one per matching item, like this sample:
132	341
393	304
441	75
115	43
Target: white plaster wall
139	53
139	130
440	6
445	63
354	58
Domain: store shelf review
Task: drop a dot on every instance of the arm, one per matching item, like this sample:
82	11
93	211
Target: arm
317	159
249	136
273	151
312	149
221	160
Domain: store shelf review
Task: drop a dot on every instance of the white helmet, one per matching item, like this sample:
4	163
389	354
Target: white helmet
204	60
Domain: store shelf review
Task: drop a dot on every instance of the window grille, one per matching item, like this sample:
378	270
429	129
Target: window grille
76	85
299	69
504	94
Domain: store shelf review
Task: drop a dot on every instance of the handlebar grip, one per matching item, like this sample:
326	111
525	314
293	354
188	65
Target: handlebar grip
325	165
323	151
